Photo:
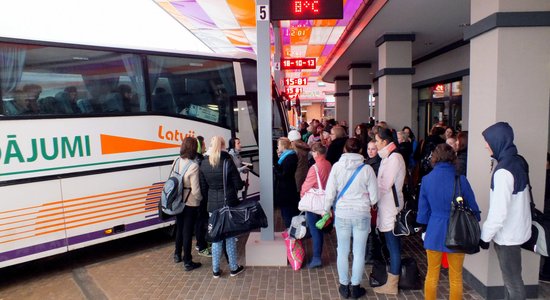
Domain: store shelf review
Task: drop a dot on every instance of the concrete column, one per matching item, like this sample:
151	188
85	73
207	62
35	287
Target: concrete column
360	83
341	96
395	79
375	113
509	81
465	102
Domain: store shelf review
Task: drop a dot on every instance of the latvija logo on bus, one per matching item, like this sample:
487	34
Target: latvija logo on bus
46	148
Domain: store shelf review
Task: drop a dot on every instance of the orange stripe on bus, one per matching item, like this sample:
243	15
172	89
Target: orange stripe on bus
111	144
90	218
107	194
96	211
90	223
18	239
30	213
72	200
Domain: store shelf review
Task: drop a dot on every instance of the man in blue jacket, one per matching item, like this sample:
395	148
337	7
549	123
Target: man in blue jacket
508	222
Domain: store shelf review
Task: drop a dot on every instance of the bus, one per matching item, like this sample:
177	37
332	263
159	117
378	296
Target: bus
88	135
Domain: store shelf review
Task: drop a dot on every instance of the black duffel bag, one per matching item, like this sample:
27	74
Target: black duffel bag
229	221
409	278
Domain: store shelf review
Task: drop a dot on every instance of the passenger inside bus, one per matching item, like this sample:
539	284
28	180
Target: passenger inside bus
163	101
31	92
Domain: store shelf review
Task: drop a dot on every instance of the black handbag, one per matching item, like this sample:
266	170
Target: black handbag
231	221
463	230
540	225
405	220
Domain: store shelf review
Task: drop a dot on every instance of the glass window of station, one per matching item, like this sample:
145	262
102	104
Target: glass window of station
440	104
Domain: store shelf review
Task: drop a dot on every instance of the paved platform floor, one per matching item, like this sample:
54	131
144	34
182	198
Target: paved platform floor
141	267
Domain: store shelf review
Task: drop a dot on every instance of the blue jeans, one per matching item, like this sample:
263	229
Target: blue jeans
231	248
345	229
509	258
394	246
316	234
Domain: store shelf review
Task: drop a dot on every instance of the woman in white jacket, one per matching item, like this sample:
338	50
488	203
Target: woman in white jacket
391	176
351	213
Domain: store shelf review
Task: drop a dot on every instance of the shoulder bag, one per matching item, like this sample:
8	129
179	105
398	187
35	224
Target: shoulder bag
405	220
314	199
463	230
230	221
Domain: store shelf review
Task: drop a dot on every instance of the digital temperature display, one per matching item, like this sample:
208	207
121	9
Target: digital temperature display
306	9
298	63
299	81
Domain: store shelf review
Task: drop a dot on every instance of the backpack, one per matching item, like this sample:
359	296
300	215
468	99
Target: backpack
171	196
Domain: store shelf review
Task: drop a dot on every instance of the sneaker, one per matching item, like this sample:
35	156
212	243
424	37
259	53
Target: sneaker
238	271
177	258
206	252
217	274
197	248
190	266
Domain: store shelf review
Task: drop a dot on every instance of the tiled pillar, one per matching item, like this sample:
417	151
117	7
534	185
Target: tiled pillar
341	96
509	81
360	83
395	79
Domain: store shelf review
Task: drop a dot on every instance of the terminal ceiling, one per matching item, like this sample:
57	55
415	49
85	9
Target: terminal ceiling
229	25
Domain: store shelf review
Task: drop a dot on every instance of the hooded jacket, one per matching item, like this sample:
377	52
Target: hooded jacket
356	202
509	218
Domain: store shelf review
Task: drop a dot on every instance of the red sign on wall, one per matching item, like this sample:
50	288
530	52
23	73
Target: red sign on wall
298	63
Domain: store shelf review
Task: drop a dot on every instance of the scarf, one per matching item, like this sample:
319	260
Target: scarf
284	155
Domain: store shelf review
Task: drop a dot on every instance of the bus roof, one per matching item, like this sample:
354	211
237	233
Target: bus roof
133	24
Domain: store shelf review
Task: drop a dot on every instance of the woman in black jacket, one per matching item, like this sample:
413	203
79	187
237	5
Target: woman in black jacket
286	192
212	187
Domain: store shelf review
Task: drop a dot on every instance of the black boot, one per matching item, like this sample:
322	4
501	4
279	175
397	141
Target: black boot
344	291
357	291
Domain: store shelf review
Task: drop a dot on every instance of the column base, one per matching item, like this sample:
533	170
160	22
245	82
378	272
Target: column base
265	253
494	292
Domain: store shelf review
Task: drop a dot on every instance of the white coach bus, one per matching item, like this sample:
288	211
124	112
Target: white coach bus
87	136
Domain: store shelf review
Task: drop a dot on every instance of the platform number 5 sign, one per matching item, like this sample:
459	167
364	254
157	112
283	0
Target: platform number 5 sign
262	12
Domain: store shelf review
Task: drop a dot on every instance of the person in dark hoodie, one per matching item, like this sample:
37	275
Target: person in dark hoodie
508	221
336	147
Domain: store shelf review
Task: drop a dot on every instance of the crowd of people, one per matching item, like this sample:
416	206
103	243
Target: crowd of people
367	179
370	175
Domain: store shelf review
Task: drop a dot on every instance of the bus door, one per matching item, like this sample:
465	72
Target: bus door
244	126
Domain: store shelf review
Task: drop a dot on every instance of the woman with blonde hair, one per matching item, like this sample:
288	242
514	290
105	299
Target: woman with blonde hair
217	165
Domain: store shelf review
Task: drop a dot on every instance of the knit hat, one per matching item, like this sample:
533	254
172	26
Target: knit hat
294	135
